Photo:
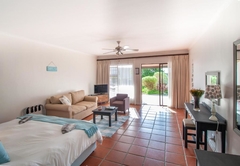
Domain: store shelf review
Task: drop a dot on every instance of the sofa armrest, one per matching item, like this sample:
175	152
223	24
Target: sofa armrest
90	98
113	99
126	101
48	101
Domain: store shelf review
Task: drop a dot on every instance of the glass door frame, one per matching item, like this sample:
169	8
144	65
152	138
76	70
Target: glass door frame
159	66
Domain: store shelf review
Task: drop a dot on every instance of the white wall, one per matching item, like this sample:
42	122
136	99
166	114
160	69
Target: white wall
214	52
24	80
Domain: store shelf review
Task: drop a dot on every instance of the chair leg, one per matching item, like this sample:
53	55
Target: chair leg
183	131
185	137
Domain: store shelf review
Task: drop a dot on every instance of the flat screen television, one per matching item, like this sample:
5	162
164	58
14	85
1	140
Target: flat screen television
101	88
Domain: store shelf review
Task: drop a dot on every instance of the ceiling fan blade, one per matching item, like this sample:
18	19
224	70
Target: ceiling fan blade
119	49
108	49
131	49
125	47
110	52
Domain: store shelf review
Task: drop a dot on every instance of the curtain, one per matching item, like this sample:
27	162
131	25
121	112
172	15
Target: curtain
179	81
122	78
103	72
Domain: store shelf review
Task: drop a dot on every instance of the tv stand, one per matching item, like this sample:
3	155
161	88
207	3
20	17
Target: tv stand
102	97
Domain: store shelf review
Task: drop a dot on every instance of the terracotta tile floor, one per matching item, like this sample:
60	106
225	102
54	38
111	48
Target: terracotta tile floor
152	136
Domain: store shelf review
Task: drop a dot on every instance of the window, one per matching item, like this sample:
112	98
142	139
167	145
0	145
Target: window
121	80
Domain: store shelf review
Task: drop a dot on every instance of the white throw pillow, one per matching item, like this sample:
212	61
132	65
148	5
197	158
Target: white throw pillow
65	100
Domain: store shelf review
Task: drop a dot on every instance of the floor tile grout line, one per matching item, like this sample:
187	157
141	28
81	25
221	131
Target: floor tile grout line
180	133
146	113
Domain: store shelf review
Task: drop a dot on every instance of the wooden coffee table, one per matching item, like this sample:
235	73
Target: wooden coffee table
105	112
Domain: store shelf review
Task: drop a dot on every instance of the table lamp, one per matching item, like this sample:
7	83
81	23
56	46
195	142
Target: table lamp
212	93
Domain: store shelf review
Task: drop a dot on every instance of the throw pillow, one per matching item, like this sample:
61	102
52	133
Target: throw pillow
65	100
4	158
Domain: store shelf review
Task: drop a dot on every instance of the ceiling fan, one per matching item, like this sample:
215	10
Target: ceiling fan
119	49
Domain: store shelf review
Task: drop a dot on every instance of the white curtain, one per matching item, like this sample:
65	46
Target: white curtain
179	91
122	78
103	72
170	84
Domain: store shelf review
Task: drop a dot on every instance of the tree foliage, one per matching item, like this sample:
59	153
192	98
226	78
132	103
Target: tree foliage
162	74
150	82
149	71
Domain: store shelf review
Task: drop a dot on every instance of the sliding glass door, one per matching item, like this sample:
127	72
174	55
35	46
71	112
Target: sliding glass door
155	84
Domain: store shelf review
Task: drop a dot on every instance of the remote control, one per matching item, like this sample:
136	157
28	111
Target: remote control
25	119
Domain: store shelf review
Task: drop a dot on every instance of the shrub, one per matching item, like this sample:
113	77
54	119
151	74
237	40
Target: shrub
150	82
145	90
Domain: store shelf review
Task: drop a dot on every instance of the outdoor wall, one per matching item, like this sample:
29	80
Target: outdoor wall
24	80
214	52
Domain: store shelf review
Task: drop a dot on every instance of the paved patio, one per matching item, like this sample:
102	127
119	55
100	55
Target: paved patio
153	99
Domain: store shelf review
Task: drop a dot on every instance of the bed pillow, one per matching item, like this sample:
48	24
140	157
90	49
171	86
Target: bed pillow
65	100
4	158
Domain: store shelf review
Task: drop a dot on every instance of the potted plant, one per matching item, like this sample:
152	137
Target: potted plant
196	93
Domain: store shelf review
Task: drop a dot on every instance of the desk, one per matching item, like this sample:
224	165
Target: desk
203	123
206	158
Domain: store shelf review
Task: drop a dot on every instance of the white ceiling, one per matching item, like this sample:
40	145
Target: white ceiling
88	26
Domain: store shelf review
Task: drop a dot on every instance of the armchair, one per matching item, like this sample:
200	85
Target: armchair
121	101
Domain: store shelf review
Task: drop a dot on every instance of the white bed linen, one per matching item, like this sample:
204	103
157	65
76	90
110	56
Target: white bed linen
37	143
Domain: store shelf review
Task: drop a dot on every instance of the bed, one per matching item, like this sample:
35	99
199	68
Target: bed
36	143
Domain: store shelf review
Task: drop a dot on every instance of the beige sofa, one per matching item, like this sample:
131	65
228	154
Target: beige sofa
80	106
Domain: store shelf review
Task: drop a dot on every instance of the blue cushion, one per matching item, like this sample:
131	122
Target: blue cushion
4	158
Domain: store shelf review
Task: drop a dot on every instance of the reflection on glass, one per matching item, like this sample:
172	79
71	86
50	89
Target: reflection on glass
236	86
238	91
213	78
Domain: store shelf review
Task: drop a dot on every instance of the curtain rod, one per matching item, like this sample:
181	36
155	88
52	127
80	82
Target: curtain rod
151	56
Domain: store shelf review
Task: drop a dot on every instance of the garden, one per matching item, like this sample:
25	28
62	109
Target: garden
154	81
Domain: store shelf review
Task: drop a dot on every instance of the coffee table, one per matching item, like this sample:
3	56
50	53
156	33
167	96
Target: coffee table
105	111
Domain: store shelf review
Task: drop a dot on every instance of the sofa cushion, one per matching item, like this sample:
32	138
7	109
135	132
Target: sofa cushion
117	102
87	104
77	96
55	99
121	96
65	100
77	109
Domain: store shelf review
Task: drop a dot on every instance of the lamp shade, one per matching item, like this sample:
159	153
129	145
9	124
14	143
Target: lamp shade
213	92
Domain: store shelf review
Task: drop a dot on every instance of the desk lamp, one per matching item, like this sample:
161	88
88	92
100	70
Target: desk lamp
212	93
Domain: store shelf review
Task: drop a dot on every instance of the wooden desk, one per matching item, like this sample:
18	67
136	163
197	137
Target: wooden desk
203	123
206	158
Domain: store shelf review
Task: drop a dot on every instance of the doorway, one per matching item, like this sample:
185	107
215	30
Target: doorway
155	84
